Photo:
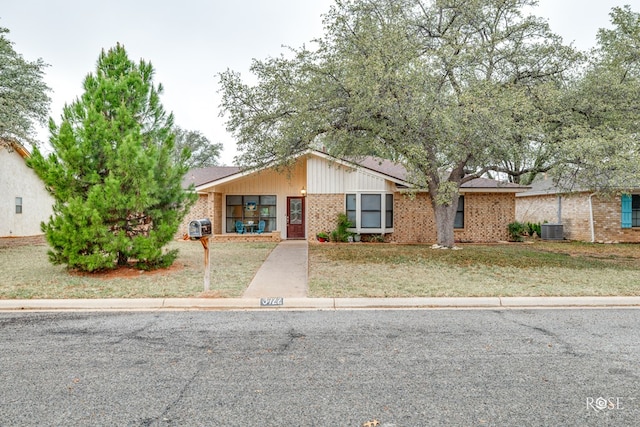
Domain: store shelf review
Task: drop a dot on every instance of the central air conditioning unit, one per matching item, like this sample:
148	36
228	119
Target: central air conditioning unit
552	232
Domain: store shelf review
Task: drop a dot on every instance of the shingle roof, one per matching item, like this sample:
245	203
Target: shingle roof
204	175
386	167
396	170
383	166
490	183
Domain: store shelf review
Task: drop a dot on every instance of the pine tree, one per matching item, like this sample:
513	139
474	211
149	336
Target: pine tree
113	173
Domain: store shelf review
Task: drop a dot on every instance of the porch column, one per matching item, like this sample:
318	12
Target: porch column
214	204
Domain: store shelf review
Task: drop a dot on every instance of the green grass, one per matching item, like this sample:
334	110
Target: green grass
27	274
345	270
539	269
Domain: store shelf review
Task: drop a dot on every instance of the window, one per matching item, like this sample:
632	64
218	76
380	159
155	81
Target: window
630	210
18	205
459	221
370	212
251	208
389	211
351	209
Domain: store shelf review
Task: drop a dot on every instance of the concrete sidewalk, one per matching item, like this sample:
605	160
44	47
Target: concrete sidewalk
284	273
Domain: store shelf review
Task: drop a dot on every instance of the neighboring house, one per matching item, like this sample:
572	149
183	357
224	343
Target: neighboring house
24	201
299	202
584	215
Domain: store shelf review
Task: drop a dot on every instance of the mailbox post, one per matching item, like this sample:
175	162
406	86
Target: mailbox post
200	229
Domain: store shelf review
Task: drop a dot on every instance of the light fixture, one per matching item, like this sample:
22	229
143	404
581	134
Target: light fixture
303	191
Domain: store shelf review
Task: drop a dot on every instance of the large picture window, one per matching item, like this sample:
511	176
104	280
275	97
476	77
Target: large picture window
370	212
251	209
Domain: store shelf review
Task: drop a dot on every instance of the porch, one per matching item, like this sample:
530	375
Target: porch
273	236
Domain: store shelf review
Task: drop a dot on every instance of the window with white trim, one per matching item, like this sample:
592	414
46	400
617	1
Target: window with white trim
370	212
18	205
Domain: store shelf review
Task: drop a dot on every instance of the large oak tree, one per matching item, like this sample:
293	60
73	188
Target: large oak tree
447	87
601	127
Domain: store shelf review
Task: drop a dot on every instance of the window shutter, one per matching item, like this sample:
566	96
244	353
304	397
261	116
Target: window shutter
626	210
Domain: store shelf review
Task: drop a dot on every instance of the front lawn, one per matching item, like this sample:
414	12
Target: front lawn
26	273
527	269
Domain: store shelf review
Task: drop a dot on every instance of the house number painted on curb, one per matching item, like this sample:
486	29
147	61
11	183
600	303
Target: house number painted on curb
270	302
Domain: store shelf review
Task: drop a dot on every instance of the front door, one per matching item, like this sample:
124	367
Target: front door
295	218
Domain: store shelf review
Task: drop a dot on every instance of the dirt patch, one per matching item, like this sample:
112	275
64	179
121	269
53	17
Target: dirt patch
126	272
14	242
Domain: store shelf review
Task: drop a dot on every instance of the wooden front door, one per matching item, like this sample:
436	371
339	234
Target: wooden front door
295	218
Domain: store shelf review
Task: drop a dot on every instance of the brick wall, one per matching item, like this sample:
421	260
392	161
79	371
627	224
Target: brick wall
413	219
607	221
486	217
574	213
576	218
322	213
198	211
247	237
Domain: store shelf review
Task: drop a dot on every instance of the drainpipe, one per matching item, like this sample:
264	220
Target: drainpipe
593	231
559	210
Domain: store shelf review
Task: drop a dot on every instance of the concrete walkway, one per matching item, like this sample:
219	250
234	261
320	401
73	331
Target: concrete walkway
283	274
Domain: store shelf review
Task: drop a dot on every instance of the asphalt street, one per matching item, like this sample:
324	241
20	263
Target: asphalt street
569	367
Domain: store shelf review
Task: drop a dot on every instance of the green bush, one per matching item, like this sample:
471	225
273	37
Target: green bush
516	230
341	233
532	228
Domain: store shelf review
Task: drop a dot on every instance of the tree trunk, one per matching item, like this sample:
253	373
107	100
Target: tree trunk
445	218
122	259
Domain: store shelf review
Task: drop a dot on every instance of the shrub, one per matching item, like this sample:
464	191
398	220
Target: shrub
532	228
341	233
516	230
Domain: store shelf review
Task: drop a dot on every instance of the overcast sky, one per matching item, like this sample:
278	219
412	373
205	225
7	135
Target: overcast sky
190	41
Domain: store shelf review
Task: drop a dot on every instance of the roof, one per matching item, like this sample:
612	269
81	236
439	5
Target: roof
545	186
486	183
392	170
383	166
398	171
13	145
209	174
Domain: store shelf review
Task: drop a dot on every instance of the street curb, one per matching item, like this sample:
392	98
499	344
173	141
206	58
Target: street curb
314	303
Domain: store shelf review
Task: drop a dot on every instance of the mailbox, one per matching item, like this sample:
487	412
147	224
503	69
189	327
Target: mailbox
199	228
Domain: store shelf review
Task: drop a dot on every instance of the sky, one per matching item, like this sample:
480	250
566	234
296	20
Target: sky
189	42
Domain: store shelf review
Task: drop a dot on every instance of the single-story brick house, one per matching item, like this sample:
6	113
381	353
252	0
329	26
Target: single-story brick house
584	215
306	199
24	201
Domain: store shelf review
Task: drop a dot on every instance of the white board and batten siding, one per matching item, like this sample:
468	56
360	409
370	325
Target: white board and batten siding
326	177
